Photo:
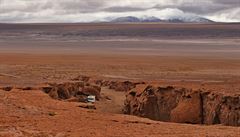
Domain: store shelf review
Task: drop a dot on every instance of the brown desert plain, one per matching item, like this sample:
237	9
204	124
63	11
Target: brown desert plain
177	79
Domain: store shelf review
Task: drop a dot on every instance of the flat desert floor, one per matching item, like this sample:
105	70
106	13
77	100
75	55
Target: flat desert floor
197	56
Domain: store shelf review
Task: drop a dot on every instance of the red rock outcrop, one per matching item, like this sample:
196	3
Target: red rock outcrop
221	109
188	109
118	85
154	103
183	106
77	91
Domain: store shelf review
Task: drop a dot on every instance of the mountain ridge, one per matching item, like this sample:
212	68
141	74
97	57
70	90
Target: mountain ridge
132	19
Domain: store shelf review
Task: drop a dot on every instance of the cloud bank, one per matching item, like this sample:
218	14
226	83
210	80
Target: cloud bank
19	11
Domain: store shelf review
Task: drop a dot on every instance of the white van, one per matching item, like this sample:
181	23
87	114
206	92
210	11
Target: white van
91	99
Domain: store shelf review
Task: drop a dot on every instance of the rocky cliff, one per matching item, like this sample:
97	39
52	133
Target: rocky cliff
184	106
72	91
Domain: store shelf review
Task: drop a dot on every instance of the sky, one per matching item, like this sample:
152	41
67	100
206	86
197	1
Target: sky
23	11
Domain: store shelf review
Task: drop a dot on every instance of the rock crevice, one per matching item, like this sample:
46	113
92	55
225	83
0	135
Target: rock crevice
71	91
182	105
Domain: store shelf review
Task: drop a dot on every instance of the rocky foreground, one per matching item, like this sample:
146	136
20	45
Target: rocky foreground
169	104
59	109
182	105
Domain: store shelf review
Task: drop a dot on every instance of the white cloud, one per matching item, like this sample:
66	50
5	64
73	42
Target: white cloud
229	15
90	10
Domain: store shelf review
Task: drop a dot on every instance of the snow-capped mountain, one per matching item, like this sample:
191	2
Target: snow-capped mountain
150	19
189	19
126	19
193	19
135	19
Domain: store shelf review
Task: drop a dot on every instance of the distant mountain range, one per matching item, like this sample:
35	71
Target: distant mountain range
132	19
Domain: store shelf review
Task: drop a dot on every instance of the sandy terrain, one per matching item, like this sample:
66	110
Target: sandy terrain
32	116
192	56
